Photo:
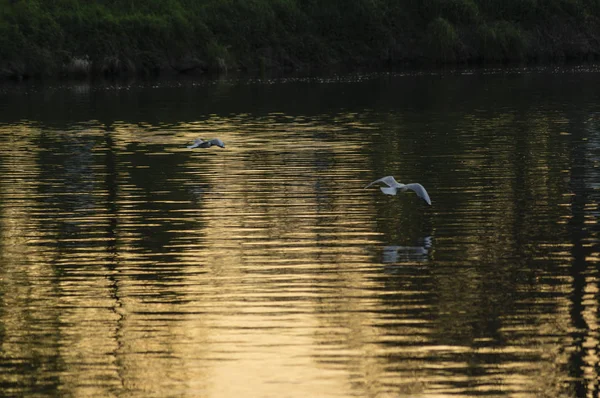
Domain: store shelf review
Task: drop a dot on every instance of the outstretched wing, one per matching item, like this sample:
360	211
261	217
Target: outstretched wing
196	144
388	180
420	191
217	142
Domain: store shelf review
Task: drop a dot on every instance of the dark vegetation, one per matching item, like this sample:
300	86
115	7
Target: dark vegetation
83	37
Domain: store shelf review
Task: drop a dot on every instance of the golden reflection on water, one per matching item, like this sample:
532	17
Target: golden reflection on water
220	306
134	266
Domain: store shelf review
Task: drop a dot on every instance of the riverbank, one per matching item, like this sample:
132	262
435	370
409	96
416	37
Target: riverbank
72	38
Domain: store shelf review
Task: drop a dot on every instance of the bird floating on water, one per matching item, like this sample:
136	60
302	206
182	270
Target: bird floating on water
201	143
394	186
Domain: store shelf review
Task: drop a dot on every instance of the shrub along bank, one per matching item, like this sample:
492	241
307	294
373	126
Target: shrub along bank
83	37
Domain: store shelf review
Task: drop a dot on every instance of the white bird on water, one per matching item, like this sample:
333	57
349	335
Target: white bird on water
394	186
200	143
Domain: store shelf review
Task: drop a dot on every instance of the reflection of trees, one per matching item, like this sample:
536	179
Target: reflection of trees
150	256
500	229
22	278
134	222
67	290
584	312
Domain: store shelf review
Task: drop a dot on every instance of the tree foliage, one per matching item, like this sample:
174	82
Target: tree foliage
41	36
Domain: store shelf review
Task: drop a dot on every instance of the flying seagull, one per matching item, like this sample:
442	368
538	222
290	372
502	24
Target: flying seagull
395	186
200	143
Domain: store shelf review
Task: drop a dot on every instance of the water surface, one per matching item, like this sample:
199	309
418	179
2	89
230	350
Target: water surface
133	266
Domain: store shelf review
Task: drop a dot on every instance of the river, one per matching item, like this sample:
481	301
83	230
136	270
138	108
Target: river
132	266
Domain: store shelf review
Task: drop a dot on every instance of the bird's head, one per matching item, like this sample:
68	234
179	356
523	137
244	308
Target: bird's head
219	143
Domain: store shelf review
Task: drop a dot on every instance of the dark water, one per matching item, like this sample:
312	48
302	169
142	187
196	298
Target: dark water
132	266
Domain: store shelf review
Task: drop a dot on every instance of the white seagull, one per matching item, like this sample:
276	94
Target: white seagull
199	142
395	186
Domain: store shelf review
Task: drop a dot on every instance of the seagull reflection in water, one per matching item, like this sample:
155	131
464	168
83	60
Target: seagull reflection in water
419	254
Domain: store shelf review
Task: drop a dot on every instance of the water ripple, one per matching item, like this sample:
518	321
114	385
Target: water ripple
134	266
